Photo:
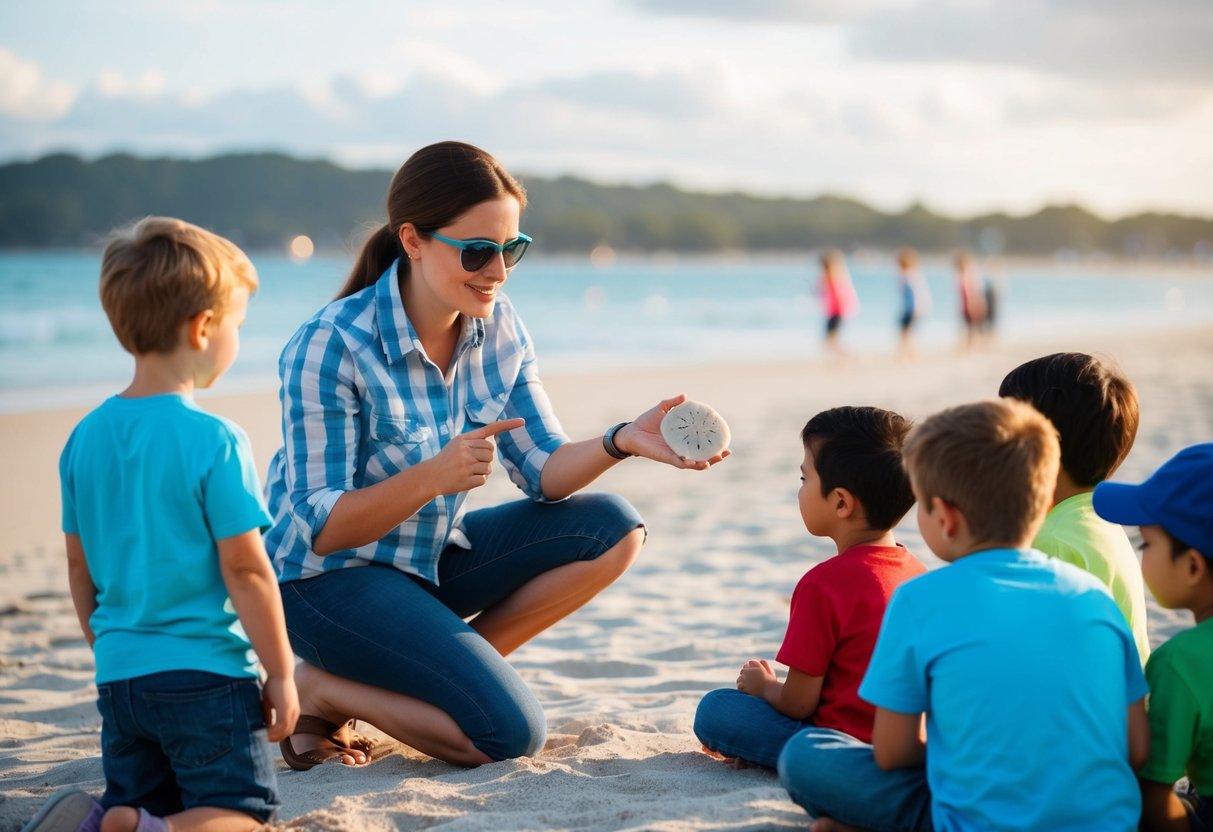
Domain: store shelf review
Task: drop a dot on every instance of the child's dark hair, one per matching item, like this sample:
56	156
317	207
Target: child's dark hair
859	449
1178	547
1092	404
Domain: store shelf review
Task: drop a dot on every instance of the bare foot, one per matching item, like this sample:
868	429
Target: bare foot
735	762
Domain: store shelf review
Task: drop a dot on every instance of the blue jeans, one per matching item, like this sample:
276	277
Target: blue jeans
185	738
832	774
383	627
736	724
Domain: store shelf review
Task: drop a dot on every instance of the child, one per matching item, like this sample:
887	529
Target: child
1025	670
838	297
1094	408
854	491
162	512
915	298
1174	509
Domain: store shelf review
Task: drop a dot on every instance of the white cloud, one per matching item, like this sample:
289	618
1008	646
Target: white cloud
27	95
1115	42
113	84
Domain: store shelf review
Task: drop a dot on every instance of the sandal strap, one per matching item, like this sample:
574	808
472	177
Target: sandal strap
316	725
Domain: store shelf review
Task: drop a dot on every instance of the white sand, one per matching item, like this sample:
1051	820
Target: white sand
620	679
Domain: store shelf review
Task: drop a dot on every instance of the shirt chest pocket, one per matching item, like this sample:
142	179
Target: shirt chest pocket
395	444
480	413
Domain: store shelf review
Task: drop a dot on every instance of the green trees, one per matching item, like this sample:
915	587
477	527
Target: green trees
262	200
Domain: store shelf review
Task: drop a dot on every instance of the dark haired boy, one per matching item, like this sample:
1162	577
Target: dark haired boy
1093	406
1174	509
853	491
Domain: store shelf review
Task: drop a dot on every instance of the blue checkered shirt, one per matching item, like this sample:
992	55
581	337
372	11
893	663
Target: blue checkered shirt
361	402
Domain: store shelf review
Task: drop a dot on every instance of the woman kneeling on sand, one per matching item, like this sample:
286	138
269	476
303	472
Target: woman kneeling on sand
395	397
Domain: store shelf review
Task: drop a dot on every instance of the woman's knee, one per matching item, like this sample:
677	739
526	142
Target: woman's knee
518	728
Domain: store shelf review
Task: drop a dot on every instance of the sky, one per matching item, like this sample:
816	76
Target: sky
966	106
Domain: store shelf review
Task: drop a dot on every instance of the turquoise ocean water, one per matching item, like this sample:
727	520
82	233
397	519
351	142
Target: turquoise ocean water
56	347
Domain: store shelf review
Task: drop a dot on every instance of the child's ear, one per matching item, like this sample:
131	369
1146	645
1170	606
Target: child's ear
198	329
845	504
1198	566
947	515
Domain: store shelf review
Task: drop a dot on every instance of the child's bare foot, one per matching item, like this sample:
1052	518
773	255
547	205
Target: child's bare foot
735	762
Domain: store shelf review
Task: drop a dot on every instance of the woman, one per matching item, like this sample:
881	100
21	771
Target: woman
395	397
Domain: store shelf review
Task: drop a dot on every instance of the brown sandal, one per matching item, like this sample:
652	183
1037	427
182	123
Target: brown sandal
319	727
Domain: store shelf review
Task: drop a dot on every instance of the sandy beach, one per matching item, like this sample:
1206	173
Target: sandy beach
620	679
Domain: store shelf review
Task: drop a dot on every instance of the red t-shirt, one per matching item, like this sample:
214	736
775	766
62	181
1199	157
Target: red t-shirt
832	627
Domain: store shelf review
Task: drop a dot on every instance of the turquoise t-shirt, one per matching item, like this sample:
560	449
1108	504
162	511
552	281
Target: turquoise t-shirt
1180	674
150	484
1073	532
1026	670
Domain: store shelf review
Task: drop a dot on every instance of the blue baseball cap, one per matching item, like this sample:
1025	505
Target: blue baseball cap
1178	497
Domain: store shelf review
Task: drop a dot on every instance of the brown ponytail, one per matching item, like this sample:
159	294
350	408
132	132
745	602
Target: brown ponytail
432	189
378	252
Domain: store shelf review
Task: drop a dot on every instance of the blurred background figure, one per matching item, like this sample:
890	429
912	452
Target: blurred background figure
972	298
838	297
915	299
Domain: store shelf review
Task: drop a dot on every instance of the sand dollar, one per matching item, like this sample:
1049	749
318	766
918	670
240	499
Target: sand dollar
694	430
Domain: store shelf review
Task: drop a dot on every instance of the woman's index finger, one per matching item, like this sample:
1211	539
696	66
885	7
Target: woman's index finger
494	428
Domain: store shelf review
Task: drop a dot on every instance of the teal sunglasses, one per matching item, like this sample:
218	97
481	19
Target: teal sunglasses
474	255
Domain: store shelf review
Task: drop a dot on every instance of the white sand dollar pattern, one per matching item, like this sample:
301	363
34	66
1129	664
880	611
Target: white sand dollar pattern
694	430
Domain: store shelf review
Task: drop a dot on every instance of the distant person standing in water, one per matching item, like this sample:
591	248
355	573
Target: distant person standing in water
915	298
973	307
838	296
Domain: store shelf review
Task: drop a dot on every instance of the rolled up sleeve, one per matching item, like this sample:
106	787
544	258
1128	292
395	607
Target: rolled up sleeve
526	450
321	427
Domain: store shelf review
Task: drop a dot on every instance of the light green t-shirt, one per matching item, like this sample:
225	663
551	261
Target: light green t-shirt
1180	674
1073	532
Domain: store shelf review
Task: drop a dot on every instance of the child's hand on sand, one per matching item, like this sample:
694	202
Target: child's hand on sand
755	675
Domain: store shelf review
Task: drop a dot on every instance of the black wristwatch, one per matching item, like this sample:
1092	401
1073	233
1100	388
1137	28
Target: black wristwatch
608	442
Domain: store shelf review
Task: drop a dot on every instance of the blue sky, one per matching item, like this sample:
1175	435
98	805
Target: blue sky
966	105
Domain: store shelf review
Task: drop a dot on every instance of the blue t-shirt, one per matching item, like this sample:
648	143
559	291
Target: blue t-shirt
1026	670
150	484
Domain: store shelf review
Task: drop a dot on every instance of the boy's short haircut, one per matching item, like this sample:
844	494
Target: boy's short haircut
1092	404
159	272
859	449
995	461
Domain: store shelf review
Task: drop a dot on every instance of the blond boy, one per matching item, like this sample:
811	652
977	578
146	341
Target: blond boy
162	512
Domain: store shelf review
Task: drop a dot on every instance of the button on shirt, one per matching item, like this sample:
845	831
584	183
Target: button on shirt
361	401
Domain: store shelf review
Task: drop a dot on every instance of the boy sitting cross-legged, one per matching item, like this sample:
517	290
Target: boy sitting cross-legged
853	491
1021	665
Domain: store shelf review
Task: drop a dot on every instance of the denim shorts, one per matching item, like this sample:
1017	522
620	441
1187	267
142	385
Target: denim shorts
388	629
186	738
